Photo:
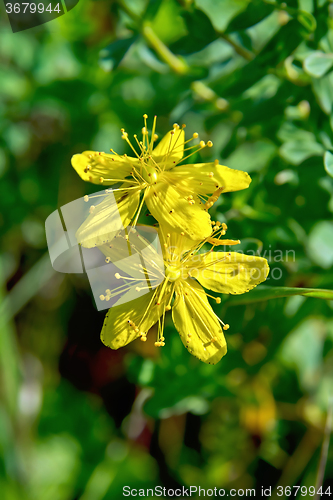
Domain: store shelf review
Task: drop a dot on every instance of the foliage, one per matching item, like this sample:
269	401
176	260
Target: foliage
78	420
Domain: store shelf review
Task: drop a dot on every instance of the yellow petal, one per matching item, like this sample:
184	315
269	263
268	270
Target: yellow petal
143	312
170	149
193	315
228	272
198	178
174	245
91	166
108	217
171	208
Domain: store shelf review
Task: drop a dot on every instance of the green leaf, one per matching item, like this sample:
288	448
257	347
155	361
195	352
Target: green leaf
267	293
222	12
295	152
328	162
274	52
320	245
318	63
46	458
295	351
307	20
255	12
251	157
114	53
200	33
323	89
200	28
152	9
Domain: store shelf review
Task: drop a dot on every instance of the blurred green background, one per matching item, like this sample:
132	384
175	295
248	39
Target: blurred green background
80	421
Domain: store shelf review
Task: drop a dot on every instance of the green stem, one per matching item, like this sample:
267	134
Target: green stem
324	450
174	62
298	461
240	50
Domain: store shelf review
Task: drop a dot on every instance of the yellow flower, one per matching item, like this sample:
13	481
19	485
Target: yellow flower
178	196
176	282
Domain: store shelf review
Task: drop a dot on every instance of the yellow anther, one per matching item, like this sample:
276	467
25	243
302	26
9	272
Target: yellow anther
101	180
86	198
124	135
183	126
226	327
195	135
168	308
144	130
165	245
216	162
168	235
211	174
225	227
107	260
218	223
182	233
136	329
209	144
202	144
162	339
143	338
189	334
102	297
145	116
91	209
138	289
218	300
157	344
117	275
176	126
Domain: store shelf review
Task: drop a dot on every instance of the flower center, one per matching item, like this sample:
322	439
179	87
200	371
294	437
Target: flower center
149	174
172	273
